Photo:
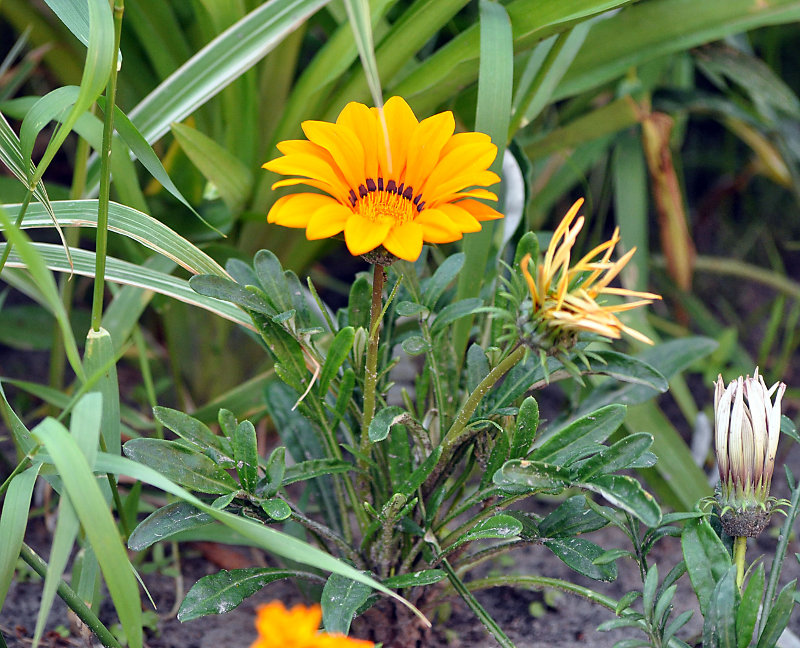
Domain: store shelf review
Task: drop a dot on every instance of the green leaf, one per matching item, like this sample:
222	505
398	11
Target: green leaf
493	113
606	56
100	56
452	312
477	366
358	14
410	309
520	475
525	432
778	617
620	455
11	156
579	554
497	457
587	432
707	559
245	453
85	427
191	430
227	290
668	359
181	464
270	275
316	468
13	521
414	345
221	592
571	518
262	536
75	15
165	522
384	420
276	471
29	256
747	613
218	64
676	624
501	526
341	599
99	357
337	354
629	369
276	508
445	274
649	593
125	273
415	579
129	222
226	172
719	629
420	474
626	493
528	244
84	492
359	303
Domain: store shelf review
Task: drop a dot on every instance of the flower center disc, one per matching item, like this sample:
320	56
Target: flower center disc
380	205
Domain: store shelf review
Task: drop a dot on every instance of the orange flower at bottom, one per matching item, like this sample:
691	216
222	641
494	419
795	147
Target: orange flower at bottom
297	628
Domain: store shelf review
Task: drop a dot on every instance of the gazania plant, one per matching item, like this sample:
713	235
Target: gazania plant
359	397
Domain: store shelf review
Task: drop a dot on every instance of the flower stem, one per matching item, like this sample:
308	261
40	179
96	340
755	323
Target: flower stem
101	245
455	435
739	550
371	369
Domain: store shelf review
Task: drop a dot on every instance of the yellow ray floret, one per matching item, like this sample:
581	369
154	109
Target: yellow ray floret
386	180
566	298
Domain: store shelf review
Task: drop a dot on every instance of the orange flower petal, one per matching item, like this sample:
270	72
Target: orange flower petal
363	235
296	210
400	123
405	241
343	145
438	227
479	210
462	161
461	217
425	146
359	119
328	220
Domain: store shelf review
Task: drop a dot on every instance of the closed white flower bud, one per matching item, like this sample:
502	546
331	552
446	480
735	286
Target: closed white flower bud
747	424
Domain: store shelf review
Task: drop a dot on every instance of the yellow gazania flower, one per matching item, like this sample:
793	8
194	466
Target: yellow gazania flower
396	187
297	628
565	298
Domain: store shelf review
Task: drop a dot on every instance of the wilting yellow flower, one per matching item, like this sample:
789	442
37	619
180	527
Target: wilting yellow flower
396	186
297	628
747	426
565	298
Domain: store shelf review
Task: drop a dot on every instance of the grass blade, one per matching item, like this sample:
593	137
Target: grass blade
28	257
13	520
82	488
128	274
493	115
99	61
